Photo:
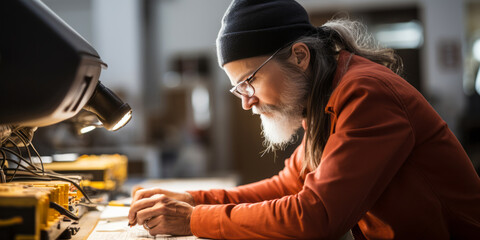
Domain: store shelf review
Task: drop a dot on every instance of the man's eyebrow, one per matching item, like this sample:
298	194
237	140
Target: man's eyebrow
241	78
252	67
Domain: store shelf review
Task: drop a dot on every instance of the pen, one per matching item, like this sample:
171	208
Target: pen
134	220
118	204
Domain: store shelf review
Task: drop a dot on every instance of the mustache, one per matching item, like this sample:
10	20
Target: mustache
265	108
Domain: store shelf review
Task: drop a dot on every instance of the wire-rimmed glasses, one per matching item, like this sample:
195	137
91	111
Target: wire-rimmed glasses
245	88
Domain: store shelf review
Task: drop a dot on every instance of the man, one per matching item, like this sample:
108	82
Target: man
375	158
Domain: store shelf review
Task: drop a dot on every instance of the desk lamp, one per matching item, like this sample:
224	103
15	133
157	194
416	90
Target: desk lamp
48	72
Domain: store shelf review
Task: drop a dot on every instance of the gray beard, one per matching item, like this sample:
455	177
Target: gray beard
280	126
282	120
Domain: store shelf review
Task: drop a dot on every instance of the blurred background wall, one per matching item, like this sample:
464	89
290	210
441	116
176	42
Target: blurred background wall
162	61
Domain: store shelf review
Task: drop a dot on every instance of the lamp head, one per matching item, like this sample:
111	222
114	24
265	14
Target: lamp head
110	109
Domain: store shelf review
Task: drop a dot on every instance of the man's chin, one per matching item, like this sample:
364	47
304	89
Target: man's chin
273	144
278	134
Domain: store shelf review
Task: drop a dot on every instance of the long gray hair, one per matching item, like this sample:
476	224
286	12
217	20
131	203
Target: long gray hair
333	36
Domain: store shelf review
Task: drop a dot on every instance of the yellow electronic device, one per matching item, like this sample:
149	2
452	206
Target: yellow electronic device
104	172
26	213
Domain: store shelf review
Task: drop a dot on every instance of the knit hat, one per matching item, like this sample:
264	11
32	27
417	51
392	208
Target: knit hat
259	27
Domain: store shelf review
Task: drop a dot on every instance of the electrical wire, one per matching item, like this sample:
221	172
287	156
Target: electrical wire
18	148
64	211
20	153
18	165
27	143
23	137
75	184
38	174
21	158
21	171
48	177
53	178
3	178
45	177
4	158
15	170
15	144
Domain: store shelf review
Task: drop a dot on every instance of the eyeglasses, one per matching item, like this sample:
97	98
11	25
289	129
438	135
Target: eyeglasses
245	88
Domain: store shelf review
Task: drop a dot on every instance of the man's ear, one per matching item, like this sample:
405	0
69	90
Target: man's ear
300	55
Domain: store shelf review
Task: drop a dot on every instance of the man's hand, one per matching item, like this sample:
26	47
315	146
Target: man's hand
139	193
161	211
160	214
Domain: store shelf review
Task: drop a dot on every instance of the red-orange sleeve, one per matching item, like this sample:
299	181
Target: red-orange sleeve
372	139
287	182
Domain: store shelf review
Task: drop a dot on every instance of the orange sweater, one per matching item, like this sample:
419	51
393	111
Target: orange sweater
391	167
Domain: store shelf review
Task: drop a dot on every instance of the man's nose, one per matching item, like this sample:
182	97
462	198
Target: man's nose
249	102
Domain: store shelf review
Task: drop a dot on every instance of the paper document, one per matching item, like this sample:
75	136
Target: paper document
114	213
119	230
113	224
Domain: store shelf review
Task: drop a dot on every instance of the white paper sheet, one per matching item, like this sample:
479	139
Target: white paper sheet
119	230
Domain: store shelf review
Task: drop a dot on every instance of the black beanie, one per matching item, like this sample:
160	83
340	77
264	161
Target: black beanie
259	27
